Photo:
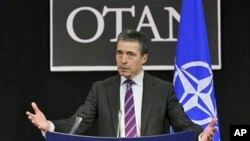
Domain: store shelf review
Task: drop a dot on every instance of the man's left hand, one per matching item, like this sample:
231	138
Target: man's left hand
208	133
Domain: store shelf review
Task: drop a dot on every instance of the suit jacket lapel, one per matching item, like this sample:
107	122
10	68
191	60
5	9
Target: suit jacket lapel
113	98
148	99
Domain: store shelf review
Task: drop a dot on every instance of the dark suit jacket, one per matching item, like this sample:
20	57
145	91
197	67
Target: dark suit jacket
160	108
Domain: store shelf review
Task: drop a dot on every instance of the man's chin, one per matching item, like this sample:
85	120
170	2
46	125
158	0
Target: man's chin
124	74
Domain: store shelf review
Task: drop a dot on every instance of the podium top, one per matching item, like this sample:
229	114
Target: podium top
180	136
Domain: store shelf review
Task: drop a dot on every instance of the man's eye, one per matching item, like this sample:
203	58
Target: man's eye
131	54
119	52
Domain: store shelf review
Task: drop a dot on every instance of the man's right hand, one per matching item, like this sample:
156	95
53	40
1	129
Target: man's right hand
38	118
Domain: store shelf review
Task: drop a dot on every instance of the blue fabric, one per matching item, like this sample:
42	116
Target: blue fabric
193	77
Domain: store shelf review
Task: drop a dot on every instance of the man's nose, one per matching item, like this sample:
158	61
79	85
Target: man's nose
124	58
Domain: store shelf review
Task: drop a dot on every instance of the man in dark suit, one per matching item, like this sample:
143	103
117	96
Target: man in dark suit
153	106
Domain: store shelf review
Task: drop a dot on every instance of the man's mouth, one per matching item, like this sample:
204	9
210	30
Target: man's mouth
123	68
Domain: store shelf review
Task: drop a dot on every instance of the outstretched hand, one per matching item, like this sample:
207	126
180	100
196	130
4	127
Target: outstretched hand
209	131
38	118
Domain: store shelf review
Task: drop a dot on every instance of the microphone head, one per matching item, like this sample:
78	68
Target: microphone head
82	115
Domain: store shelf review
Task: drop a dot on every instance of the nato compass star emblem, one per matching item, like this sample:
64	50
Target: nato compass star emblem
196	91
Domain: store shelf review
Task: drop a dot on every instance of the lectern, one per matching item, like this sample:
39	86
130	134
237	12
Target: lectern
180	136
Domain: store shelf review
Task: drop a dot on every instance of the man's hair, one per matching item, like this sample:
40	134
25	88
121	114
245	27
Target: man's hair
133	35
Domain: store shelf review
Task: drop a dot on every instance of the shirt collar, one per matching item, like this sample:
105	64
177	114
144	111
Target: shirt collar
137	79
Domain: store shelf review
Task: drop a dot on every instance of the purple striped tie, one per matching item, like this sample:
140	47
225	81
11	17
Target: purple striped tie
130	122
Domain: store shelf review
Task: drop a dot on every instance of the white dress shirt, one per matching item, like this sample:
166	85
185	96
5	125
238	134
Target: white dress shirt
137	89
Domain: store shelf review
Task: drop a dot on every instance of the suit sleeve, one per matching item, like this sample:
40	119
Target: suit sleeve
89	109
177	117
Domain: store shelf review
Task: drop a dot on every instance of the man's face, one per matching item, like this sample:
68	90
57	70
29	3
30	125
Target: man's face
129	59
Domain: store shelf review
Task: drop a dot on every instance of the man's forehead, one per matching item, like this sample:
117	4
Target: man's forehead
128	46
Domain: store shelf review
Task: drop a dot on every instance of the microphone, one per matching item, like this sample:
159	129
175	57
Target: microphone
119	123
77	123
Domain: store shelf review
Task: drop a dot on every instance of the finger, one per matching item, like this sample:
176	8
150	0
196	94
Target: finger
29	113
30	116
35	107
39	127
209	138
32	119
213	122
214	130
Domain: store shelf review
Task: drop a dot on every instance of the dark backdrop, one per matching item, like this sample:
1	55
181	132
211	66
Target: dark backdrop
25	75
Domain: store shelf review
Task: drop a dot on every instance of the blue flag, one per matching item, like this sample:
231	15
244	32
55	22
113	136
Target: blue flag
193	76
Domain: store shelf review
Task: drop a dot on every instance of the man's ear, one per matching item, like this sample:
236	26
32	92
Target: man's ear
144	58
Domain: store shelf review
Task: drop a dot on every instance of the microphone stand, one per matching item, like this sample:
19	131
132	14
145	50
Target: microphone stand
77	123
119	123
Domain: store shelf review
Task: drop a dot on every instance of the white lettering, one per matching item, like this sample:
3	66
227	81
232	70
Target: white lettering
243	131
172	14
146	14
151	24
239	132
118	12
100	25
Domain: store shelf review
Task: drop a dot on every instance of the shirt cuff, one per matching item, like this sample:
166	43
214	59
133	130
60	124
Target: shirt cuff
51	129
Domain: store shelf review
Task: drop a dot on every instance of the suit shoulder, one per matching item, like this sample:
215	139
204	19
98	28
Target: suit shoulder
158	80
108	80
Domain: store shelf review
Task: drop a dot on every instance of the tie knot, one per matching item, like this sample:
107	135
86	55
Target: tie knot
129	82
